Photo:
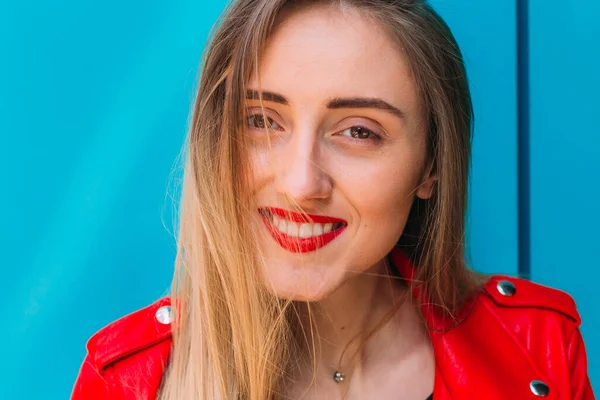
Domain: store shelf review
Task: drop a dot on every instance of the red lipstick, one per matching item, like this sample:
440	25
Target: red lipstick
298	244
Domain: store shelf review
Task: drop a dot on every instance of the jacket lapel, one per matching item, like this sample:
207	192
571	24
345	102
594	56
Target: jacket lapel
478	358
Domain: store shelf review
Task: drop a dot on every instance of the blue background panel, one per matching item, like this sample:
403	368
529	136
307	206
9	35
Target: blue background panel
94	102
486	33
565	149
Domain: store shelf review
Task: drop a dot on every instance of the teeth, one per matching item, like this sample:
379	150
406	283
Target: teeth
292	229
304	230
317	229
282	226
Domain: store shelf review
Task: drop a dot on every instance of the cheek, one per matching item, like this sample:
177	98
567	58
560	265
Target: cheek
382	214
256	168
381	187
381	198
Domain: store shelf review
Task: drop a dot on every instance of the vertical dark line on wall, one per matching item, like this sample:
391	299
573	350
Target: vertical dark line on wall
523	137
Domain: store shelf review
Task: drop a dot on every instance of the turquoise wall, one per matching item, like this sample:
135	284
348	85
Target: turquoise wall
564	155
94	99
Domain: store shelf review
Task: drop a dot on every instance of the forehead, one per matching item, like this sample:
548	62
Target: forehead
324	52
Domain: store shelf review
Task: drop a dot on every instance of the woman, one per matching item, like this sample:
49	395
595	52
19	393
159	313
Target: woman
321	249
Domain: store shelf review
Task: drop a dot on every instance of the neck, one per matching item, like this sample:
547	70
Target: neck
342	324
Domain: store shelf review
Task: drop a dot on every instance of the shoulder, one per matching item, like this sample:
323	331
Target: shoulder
515	338
515	296
524	310
129	353
130	334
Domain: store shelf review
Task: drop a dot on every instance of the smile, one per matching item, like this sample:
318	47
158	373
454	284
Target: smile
300	233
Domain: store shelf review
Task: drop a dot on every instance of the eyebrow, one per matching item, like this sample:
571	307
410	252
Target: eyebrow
365	102
266	96
336	103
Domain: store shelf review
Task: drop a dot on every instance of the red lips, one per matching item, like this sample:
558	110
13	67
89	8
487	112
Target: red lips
297	244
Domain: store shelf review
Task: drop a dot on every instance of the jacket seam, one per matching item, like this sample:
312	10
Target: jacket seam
111	387
516	341
571	313
569	343
572	317
105	365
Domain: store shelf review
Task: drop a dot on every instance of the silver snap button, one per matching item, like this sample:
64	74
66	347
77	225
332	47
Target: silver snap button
539	388
163	315
506	288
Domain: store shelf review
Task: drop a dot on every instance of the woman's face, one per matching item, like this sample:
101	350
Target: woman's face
346	146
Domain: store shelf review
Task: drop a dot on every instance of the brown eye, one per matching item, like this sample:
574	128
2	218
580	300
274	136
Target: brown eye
359	132
257	121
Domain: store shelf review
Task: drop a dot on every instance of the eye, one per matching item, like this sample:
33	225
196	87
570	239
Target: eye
359	132
257	121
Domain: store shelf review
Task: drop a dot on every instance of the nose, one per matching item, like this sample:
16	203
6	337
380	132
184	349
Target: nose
302	175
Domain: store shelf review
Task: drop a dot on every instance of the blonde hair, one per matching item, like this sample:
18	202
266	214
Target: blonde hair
231	338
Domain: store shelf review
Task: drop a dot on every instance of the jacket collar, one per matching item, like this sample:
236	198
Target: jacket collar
479	356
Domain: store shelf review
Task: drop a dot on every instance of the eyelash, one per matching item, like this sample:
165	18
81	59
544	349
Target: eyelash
253	119
372	135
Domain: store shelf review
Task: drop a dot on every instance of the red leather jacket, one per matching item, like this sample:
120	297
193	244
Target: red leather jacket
519	340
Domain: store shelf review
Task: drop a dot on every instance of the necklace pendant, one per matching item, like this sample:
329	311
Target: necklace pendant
338	376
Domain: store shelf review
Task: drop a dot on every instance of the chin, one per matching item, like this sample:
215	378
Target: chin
301	284
299	297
